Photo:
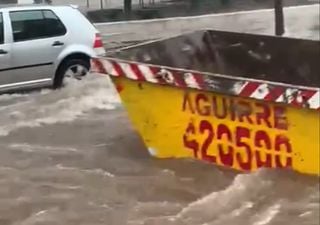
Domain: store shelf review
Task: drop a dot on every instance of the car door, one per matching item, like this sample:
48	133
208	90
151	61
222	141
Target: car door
4	53
38	39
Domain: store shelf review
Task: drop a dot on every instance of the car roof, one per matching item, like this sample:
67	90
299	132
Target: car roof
33	6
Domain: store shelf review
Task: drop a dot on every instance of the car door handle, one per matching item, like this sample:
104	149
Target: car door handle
3	52
57	43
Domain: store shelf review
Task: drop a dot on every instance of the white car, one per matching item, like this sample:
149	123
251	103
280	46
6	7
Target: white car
40	45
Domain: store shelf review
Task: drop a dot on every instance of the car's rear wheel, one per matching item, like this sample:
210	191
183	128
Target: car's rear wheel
72	69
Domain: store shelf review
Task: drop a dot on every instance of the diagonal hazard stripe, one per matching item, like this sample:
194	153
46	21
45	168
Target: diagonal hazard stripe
179	79
135	69
117	68
248	89
147	73
98	66
199	78
190	81
274	93
109	68
303	97
314	101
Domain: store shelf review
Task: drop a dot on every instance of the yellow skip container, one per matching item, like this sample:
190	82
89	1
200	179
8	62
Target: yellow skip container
236	100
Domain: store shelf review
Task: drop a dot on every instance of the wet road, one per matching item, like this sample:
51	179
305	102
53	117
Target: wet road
71	157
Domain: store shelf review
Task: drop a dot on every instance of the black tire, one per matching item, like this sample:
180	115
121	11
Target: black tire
65	66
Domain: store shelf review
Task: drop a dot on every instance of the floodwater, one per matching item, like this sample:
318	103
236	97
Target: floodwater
71	157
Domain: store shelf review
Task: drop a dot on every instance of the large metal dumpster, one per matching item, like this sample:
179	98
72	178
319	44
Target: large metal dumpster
237	100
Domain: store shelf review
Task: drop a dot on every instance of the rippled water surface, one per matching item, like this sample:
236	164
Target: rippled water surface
71	157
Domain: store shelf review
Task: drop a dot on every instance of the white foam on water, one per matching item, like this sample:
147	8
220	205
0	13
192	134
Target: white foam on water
25	147
236	204
267	216
156	209
230	202
98	172
6	97
15	99
305	214
47	216
64	105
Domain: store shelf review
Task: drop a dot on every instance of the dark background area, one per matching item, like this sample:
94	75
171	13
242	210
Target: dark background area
174	8
8	1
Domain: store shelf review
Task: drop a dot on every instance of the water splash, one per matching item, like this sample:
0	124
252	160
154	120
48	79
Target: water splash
65	105
244	189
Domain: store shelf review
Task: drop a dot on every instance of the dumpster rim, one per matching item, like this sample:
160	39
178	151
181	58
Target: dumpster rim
244	82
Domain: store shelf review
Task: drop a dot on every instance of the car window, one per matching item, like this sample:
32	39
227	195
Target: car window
35	24
1	30
56	28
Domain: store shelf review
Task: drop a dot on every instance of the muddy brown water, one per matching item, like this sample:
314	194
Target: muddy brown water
71	157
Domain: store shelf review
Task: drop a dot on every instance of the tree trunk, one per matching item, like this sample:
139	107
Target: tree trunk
279	18
127	8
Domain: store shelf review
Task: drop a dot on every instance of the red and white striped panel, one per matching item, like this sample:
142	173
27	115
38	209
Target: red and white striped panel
301	97
152	74
288	94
